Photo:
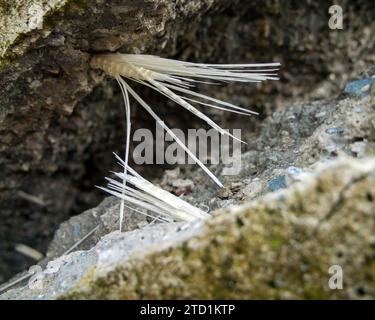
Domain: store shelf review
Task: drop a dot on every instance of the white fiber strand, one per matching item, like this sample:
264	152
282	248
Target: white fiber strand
170	132
127	142
171	78
142	193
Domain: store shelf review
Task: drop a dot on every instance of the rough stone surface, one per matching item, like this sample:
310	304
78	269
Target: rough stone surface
60	121
279	243
105	217
290	141
280	246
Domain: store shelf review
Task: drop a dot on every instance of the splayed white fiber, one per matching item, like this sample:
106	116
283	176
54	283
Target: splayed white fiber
160	203
171	77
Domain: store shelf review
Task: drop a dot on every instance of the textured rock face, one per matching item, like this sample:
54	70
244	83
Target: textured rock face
278	244
58	126
281	246
56	145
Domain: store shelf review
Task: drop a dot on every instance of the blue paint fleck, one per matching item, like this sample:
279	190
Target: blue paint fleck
358	87
277	183
335	131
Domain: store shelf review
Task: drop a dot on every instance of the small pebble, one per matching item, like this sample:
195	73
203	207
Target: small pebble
321	114
35	84
253	189
335	131
359	88
183	183
294	171
224	193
